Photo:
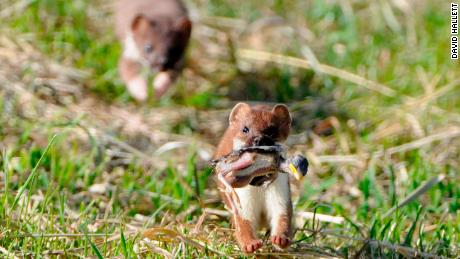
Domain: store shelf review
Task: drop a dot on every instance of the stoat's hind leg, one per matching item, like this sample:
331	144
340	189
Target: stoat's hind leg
246	235
279	211
252	203
245	222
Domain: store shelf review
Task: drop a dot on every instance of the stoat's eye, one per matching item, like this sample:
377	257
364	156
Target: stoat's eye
148	48
245	130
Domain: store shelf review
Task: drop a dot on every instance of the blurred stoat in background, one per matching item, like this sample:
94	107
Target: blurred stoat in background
154	34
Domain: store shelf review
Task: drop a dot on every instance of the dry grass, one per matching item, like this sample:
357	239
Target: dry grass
125	179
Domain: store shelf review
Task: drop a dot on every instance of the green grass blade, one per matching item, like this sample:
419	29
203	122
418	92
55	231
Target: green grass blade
410	234
385	229
373	230
33	173
94	247
354	225
7	177
123	244
416	193
96	250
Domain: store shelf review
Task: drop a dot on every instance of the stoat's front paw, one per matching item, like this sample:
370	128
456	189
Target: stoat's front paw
162	83
137	87
281	241
251	246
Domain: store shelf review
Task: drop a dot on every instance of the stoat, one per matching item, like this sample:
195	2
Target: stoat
261	205
154	34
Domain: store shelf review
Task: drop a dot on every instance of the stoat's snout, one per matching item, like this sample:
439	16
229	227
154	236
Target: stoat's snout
263	141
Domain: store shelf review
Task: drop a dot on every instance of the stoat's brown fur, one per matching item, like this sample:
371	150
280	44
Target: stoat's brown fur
261	206
154	34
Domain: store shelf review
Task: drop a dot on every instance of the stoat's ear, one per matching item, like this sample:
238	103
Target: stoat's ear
283	119
238	112
184	27
281	112
140	23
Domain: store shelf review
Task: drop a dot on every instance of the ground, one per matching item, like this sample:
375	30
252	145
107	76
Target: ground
86	171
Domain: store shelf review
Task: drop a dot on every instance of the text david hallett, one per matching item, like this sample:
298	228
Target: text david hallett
454	31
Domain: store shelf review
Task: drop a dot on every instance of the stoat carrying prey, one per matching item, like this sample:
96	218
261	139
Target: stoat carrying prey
155	34
254	176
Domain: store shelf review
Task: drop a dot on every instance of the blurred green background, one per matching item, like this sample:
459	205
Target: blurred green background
371	86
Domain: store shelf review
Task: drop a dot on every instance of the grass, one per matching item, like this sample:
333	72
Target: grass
116	168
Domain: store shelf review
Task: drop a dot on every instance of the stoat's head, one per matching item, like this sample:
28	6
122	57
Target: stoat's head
259	125
161	41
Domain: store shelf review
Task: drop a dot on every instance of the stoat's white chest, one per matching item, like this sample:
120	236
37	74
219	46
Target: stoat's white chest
269	201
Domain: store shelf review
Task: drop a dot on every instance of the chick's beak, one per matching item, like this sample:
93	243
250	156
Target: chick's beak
294	172
297	166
